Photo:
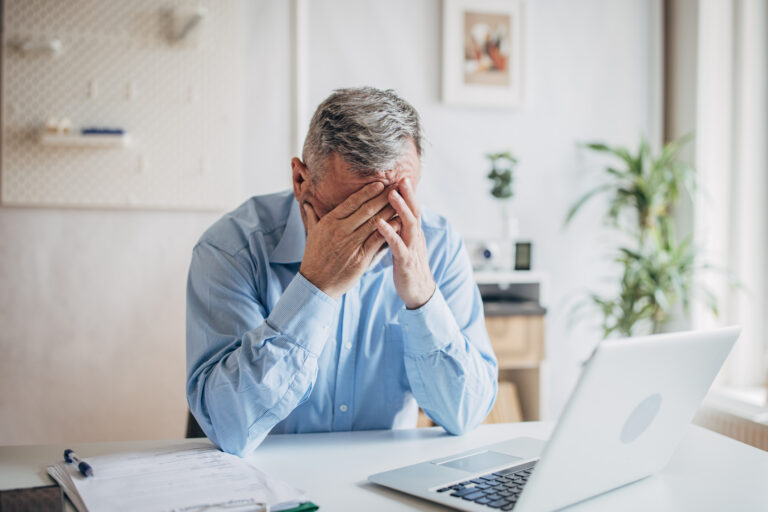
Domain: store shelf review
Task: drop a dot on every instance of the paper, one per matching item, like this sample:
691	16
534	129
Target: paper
184	479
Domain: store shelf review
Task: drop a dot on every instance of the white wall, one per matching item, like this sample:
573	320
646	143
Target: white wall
268	131
92	316
92	302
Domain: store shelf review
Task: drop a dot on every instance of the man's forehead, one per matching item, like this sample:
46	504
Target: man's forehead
386	177
336	187
403	167
340	174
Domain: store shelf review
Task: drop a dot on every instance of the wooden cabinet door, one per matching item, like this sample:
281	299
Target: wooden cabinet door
518	341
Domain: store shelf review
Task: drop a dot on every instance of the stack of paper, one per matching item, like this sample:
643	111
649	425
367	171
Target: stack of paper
188	478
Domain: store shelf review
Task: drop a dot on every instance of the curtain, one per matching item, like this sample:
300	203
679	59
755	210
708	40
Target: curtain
730	210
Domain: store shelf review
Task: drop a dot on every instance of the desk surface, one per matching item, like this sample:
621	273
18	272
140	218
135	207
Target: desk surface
708	471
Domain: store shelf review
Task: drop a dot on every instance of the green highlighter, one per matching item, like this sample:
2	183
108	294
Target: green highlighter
307	506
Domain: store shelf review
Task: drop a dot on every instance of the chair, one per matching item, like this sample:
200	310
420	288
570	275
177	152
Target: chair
193	427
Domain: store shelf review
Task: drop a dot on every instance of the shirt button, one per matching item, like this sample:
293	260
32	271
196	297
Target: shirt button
343	407
348	345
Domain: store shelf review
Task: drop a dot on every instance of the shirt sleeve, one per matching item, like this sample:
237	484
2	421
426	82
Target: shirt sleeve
246	370
448	356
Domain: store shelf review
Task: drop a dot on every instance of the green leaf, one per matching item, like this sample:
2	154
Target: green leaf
597	146
586	197
615	172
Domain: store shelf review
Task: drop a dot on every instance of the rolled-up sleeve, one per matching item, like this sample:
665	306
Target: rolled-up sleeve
450	364
247	370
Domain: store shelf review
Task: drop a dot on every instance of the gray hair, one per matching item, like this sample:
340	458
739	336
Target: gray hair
367	127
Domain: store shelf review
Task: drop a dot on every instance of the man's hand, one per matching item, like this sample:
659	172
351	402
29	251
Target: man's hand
413	277
342	244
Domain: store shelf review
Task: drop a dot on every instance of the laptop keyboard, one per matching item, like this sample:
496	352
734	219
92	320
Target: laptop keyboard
498	490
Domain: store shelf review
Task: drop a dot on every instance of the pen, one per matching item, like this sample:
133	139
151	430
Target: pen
84	467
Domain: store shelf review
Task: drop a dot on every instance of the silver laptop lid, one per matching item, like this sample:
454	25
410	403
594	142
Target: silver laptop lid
626	414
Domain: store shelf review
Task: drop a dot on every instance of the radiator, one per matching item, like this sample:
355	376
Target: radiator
743	423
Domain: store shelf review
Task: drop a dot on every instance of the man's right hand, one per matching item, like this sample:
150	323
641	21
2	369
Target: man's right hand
342	244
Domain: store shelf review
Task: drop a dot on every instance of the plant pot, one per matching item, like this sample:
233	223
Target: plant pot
510	230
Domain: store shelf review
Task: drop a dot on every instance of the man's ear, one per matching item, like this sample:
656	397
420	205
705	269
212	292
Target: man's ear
300	175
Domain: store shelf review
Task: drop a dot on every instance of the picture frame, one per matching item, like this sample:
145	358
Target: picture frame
482	52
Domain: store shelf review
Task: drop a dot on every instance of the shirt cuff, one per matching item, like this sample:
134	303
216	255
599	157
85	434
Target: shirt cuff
305	314
428	328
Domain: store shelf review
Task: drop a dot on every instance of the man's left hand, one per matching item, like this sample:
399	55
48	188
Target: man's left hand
413	278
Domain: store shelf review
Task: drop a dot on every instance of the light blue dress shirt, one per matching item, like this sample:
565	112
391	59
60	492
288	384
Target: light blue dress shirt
267	351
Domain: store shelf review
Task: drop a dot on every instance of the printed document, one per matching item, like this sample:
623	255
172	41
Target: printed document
187	478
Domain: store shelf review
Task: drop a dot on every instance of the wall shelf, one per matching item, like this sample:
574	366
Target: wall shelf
508	277
525	285
104	141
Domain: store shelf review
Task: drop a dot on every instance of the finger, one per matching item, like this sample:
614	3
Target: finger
373	244
375	241
312	218
396	224
406	190
396	244
371	224
368	210
353	203
410	223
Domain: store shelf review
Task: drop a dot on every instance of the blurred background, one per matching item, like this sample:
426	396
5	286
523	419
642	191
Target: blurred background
130	127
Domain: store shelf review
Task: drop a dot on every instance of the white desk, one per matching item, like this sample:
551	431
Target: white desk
708	472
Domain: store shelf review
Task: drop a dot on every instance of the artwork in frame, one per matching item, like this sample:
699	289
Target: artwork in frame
482	52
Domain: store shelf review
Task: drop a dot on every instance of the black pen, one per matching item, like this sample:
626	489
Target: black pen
84	467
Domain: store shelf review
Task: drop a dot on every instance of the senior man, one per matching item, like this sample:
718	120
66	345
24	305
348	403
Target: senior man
339	305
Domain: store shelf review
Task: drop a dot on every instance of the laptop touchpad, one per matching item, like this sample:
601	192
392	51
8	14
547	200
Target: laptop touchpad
481	461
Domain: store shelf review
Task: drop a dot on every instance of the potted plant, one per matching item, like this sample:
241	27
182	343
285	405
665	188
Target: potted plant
502	178
657	268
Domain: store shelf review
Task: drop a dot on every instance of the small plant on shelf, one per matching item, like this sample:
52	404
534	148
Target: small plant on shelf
502	178
657	268
502	174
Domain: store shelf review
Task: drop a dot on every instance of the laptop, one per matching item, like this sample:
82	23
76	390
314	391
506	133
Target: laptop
623	421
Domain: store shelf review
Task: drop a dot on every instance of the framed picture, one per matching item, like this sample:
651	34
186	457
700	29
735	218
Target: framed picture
482	52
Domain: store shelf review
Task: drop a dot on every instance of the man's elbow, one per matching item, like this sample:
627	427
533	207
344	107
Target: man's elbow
242	444
231	440
224	437
231	435
236	445
459	429
464	424
469	417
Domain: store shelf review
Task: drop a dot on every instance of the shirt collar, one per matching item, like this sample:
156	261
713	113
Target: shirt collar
290	248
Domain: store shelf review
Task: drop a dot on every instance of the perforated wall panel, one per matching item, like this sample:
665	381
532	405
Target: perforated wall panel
178	100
